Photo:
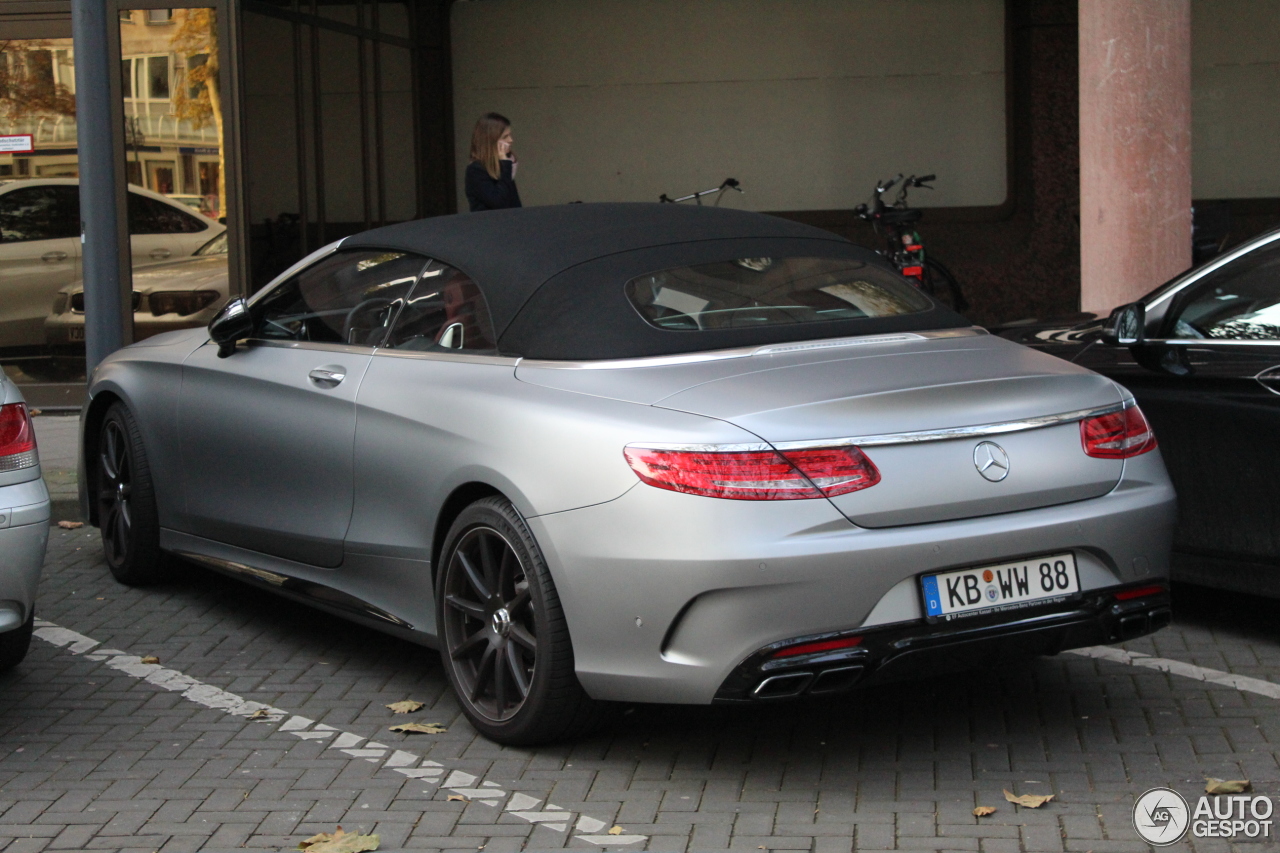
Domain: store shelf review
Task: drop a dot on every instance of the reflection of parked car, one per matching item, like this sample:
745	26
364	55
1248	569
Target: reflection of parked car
181	294
197	203
1202	356
24	525
40	247
639	453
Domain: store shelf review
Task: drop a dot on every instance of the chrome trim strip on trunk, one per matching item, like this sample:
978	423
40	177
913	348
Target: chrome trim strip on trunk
920	436
916	437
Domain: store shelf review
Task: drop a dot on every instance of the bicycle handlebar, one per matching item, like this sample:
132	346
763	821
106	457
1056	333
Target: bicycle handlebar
884	188
729	184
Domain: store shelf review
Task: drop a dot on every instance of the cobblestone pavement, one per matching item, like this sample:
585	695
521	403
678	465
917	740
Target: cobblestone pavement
101	751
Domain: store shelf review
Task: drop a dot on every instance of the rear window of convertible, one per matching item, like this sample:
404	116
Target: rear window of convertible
747	293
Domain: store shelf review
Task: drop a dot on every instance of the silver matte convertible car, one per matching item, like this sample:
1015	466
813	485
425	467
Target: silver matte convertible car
635	453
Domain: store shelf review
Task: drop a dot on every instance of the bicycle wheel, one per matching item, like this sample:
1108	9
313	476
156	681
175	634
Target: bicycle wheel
942	286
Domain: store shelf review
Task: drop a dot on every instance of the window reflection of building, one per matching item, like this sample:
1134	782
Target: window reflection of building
164	153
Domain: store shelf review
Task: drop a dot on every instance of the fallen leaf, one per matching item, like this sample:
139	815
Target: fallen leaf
408	706
617	830
419	729
457	798
151	659
339	842
1028	801
70	525
1226	786
983	811
260	714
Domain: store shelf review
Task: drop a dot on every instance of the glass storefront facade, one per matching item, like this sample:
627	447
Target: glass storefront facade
342	104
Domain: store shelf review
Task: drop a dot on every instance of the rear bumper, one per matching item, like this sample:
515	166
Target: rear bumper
918	649
24	533
666	595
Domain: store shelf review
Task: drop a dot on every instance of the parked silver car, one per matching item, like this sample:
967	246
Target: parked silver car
182	294
635	452
24	525
40	247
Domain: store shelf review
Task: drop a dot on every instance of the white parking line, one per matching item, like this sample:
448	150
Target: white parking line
1212	676
401	761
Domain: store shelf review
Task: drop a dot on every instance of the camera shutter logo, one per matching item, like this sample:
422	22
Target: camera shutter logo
1161	817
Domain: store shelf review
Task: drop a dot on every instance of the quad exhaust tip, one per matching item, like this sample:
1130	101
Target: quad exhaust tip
792	684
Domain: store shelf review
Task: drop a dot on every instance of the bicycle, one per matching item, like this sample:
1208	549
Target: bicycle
729	184
905	246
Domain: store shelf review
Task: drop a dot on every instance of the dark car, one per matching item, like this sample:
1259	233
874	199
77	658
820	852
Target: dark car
1202	356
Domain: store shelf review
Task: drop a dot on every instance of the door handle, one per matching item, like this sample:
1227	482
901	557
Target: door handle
53	257
160	254
1270	379
327	377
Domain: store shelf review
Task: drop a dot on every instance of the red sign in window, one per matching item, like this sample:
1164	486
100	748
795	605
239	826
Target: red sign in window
17	143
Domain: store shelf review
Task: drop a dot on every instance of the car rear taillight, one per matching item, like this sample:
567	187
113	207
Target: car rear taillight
755	475
17	438
1118	435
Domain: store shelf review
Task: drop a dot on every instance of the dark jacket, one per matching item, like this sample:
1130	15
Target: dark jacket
484	193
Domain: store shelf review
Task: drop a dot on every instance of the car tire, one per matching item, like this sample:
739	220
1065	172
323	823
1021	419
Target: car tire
127	514
14	644
504	640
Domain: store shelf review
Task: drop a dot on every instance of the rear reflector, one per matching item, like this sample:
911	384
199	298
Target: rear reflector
17	438
755	475
819	646
1140	592
1118	435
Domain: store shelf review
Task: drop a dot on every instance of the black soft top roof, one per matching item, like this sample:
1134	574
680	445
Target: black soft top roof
553	276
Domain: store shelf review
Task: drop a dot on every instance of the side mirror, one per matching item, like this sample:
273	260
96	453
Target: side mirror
230	324
1126	326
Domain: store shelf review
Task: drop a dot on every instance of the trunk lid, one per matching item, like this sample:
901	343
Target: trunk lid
929	385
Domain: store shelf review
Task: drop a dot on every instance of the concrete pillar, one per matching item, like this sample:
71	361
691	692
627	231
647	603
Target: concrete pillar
1135	147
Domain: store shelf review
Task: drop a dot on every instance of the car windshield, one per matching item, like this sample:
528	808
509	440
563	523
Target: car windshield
216	246
755	292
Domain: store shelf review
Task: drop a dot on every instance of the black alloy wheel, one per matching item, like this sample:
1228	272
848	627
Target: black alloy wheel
115	489
489	626
504	640
127	514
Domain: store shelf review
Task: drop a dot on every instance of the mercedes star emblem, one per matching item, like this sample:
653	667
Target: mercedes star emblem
991	461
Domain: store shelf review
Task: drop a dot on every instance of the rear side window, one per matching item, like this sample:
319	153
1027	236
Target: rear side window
40	213
149	216
446	312
749	293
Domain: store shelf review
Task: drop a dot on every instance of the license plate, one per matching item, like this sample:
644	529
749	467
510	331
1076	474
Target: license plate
1007	586
75	333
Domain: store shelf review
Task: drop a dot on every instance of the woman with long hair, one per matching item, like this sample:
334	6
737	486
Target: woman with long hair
491	174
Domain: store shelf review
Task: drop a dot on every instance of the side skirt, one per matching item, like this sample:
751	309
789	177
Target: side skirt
294	581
